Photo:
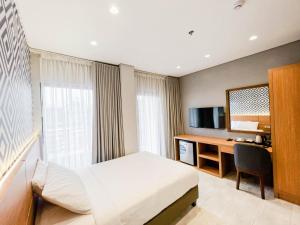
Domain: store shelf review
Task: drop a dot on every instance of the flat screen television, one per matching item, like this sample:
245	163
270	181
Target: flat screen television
210	117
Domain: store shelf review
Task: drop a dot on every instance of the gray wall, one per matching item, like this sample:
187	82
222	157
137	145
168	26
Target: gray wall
207	87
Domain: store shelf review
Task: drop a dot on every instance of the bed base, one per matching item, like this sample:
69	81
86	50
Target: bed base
173	211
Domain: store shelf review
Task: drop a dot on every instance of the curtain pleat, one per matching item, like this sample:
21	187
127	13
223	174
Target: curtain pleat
108	135
66	86
151	114
173	114
159	116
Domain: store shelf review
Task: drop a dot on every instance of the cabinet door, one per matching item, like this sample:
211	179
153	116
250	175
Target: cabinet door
285	116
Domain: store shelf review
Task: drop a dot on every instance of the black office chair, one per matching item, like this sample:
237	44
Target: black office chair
253	160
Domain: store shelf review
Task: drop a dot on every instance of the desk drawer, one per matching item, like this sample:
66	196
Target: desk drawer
227	149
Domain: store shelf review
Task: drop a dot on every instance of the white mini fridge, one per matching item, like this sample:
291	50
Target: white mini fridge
187	152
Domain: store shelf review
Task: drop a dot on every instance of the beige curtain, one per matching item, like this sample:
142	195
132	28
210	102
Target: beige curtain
173	114
108	142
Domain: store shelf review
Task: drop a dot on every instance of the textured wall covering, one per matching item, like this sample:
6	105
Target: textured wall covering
15	86
251	101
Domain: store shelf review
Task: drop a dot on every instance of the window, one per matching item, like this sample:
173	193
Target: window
151	113
67	125
151	124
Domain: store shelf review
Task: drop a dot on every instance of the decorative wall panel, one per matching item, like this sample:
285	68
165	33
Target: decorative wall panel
251	101
15	86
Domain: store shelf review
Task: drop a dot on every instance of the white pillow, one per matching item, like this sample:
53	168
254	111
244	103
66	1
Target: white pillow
244	125
64	188
39	178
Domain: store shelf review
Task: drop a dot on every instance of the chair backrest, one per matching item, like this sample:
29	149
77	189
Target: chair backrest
252	158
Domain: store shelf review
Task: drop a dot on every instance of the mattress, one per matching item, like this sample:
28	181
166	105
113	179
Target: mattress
129	190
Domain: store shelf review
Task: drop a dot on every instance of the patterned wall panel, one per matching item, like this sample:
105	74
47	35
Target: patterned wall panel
252	101
15	86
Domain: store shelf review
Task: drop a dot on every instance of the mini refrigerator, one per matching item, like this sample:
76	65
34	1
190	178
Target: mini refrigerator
187	152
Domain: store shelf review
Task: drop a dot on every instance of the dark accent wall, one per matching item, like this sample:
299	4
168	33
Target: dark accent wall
207	87
15	86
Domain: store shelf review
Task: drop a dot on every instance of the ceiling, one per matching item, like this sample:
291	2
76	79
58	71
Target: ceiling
153	35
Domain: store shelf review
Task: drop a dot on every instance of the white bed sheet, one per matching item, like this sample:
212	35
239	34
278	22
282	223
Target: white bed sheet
50	214
133	189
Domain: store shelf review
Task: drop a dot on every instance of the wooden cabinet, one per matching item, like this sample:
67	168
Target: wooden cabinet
211	152
285	119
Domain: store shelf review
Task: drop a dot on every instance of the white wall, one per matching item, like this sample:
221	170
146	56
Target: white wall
36	97
129	108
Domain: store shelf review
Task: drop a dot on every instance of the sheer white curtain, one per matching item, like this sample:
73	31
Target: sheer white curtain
151	113
67	101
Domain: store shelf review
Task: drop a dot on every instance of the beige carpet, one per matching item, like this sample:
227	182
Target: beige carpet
220	203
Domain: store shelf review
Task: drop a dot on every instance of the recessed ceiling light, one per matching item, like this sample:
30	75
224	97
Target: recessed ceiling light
178	67
253	37
114	10
207	56
94	43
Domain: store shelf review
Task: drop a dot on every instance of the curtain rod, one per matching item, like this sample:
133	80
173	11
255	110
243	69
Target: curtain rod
150	73
39	51
155	74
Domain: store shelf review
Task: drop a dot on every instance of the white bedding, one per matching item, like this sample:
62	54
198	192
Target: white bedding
245	125
128	191
50	214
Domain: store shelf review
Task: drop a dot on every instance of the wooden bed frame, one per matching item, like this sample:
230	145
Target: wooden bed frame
175	210
18	204
16	198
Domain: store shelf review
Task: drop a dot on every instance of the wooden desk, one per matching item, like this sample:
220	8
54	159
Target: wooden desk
211	152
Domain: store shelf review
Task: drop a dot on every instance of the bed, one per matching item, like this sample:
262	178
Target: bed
130	190
136	189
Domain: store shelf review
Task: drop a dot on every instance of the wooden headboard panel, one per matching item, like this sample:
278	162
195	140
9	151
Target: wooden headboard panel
16	198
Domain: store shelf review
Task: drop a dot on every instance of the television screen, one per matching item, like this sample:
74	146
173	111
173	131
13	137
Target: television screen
211	117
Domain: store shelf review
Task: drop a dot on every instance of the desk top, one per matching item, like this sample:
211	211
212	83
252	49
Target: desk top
209	140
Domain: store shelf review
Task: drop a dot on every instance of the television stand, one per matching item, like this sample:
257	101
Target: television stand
211	152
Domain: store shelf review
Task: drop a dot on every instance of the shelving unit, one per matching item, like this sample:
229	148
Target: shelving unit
211	170
214	155
208	158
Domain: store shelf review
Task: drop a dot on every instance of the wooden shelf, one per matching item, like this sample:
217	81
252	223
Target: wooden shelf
211	170
210	155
